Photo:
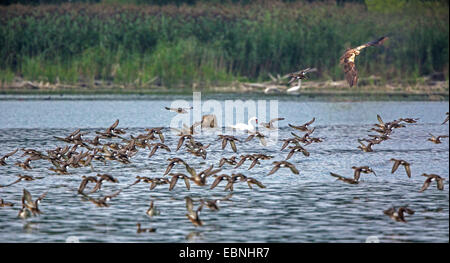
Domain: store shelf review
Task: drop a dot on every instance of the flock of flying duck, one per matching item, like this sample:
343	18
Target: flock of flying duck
70	156
81	152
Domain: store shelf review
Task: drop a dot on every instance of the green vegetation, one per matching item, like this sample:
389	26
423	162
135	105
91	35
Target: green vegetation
215	44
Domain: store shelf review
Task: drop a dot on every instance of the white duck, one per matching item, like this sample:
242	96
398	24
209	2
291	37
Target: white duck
243	126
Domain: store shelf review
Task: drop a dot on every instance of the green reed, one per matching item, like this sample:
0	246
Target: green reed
215	44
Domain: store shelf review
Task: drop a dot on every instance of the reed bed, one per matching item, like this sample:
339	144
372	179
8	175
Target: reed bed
215	44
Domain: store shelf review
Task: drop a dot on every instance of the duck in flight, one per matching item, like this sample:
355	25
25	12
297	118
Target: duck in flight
446	119
230	161
282	164
144	230
193	215
436	139
228	138
22	178
5	204
175	177
304	127
295	149
431	178
398	214
179	110
362	169
345	179
299	75
2	160
348	60
258	135
398	162
102	201
365	148
28	204
269	125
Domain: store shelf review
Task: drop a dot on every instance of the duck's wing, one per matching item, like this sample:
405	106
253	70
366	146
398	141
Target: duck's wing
259	184
180	143
229	185
408	210
153	151
112	127
310	122
395	166
224	143
189	205
263	141
293	168
207	171
305	152
82	185
10	154
153	185
426	184
27	198
389	211
191	170
114	194
173	182
274	169
251	181
275	119
74	133
285	144
217	181
250	137
97	186
15	182
290	154
255	161
186	182
408	170
357	174
379	119
337	176
169	167
440	183
233	145
293	126
171	109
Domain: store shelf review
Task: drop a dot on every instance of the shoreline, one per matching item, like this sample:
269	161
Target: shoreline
310	90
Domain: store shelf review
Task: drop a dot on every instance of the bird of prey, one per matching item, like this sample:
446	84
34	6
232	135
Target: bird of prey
348	60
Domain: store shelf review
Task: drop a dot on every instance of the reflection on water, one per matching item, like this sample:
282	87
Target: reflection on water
310	207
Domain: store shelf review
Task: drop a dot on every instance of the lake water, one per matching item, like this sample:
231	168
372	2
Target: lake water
309	207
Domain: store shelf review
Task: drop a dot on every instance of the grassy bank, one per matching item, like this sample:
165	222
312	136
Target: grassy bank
206	44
